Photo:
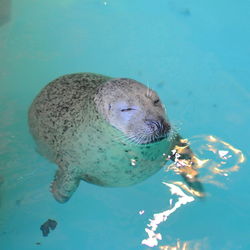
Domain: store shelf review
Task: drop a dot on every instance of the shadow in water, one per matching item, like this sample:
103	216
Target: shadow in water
5	11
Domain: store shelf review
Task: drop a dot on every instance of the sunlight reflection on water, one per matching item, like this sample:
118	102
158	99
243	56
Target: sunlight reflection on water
224	160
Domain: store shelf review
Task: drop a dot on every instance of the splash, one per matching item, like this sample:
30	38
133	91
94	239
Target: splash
224	159
224	154
214	157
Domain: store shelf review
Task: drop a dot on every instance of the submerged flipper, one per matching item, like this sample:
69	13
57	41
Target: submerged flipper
64	185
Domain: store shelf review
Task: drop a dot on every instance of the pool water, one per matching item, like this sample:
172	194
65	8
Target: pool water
195	54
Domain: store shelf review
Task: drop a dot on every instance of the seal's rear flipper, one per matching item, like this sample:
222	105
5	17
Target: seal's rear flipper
64	185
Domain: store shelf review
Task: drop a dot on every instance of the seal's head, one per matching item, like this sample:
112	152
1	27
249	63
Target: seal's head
133	109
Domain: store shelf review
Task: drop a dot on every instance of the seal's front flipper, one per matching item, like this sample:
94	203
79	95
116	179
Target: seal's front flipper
64	185
187	165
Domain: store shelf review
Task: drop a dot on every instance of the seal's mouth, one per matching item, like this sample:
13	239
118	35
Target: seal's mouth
154	138
154	132
158	130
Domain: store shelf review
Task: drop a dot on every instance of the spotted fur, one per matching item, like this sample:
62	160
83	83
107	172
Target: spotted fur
73	128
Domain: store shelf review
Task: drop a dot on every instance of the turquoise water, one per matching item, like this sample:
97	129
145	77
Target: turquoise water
195	54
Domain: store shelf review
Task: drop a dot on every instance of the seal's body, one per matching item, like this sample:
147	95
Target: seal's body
109	132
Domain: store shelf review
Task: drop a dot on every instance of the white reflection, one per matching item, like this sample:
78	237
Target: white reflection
183	199
225	159
141	212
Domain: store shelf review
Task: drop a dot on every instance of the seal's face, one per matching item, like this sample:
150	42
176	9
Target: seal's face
133	109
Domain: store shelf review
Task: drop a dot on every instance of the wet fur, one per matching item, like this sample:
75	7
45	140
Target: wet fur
72	126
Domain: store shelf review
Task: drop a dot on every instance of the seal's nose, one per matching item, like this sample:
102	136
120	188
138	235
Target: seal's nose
153	125
165	126
160	126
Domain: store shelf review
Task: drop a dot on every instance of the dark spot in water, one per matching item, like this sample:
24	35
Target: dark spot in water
139	73
46	226
18	202
185	12
1	180
215	106
160	84
174	102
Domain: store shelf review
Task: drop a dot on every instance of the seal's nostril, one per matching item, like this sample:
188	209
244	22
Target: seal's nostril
160	126
153	125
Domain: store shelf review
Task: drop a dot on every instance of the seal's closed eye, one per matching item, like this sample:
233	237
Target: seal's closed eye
126	110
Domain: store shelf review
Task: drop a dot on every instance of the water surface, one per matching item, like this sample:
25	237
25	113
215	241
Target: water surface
195	54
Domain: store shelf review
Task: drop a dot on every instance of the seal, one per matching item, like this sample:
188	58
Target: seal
106	131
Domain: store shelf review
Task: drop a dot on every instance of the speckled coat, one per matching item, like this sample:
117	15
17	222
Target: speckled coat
69	131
